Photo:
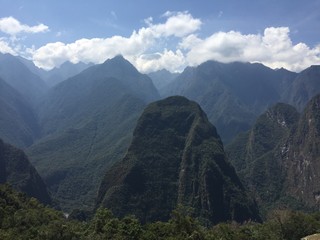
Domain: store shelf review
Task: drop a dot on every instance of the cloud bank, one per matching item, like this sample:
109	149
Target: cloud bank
12	26
274	48
173	44
137	47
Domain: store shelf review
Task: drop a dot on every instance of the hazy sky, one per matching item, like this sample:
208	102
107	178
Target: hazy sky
163	34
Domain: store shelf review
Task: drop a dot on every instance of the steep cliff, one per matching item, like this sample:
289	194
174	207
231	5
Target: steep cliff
176	157
258	154
16	170
279	158
302	158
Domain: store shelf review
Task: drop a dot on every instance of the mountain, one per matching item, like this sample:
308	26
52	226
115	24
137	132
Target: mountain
87	123
16	170
278	159
175	157
302	156
18	121
60	108
258	154
32	67
65	71
305	86
234	94
162	78
17	75
57	74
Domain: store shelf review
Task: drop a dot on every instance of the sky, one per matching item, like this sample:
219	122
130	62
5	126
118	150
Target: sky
154	35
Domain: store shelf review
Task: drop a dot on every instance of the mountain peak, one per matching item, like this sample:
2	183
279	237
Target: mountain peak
312	68
121	69
120	66
172	146
117	59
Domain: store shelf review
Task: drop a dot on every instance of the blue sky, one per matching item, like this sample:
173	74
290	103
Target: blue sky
163	34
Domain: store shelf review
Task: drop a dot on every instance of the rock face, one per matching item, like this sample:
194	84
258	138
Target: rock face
303	157
279	158
176	157
258	154
16	170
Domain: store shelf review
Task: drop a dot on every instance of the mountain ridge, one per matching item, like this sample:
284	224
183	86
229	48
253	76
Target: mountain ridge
87	122
18	121
234	94
16	74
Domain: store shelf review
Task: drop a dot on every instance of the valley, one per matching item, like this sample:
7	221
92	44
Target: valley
231	141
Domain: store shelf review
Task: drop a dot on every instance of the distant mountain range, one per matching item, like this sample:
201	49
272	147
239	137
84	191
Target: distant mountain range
235	94
162	78
17	75
74	131
57	74
65	71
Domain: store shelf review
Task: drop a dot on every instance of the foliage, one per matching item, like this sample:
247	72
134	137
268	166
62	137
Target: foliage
87	123
25	218
16	170
176	157
233	94
257	155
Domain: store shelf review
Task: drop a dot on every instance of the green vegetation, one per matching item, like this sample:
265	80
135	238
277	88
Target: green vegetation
257	156
176	157
277	159
233	95
87	124
16	170
25	218
174	178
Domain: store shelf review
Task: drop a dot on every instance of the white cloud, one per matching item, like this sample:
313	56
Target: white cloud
178	24
134	47
5	47
12	26
172	61
274	48
173	44
94	50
